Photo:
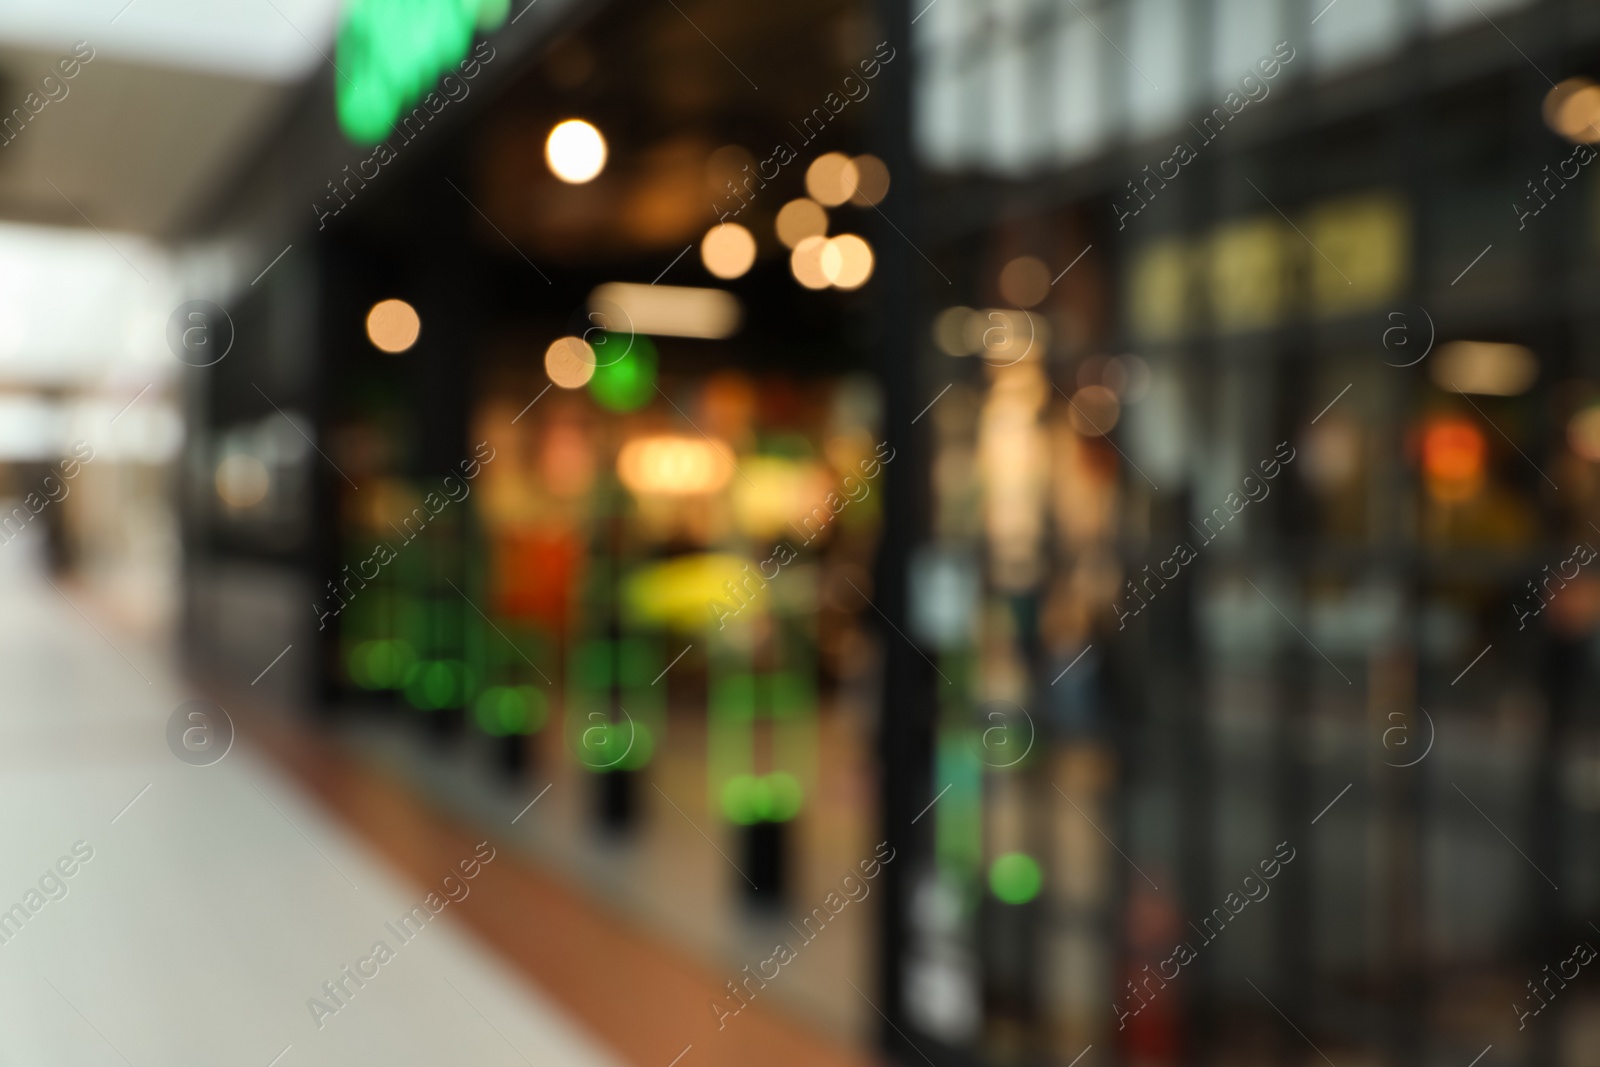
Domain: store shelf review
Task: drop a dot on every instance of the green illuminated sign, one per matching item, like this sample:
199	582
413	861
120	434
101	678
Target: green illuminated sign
391	52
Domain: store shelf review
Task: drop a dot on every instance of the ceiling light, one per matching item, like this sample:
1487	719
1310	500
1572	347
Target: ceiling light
666	310
846	261
728	250
830	179
799	219
393	325
575	151
569	362
869	181
805	263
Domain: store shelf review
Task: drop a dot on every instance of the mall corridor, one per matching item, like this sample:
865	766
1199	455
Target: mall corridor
845	533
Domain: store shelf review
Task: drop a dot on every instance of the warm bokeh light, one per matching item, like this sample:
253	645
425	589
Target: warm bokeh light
1572	109
774	490
1583	433
728	250
569	361
1094	411
393	325
242	480
830	179
575	151
674	466
1484	368
1579	117
846	261
805	263
799	219
1025	281
869	179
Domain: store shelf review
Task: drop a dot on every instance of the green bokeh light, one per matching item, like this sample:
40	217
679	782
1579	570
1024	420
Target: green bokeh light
381	664
1015	877
434	684
502	710
739	802
625	371
644	746
616	746
748	799
783	797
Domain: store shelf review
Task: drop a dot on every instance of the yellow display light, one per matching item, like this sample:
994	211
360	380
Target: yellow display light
674	466
676	592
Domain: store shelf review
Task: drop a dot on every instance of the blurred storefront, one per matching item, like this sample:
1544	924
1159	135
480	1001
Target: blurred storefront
562	451
1258	403
1118	454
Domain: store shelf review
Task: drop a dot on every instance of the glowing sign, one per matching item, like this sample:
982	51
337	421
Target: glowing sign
391	52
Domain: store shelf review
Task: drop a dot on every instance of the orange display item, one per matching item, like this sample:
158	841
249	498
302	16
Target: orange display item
535	571
1454	458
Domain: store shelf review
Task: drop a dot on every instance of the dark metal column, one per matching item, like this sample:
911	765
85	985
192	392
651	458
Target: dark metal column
905	740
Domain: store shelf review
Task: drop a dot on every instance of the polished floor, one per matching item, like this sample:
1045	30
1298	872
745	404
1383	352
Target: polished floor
206	906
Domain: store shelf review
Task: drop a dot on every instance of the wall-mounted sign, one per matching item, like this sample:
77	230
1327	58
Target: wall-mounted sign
391	52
